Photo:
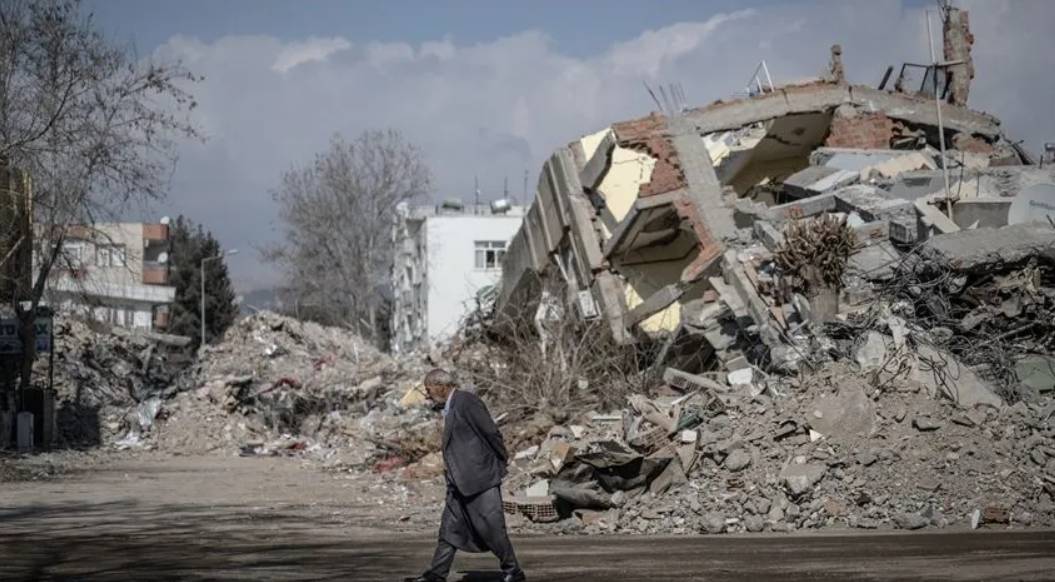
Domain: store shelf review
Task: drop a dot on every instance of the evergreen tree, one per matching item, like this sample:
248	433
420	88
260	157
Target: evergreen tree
190	244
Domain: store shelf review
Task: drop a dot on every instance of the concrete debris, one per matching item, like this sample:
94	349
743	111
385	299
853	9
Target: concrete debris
110	383
801	477
910	520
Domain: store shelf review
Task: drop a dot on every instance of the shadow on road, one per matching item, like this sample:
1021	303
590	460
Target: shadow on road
130	541
123	541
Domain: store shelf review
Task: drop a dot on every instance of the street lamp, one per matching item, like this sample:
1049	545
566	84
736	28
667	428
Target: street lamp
203	261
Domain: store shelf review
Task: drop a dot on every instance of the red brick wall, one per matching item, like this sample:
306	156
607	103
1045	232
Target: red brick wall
649	135
864	130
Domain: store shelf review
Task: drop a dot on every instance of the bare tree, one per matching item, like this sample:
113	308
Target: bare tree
337	215
89	127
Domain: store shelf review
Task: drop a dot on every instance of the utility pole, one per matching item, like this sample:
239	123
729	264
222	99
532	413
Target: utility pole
935	65
203	261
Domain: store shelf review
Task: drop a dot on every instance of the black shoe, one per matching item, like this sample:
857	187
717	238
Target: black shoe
517	576
426	577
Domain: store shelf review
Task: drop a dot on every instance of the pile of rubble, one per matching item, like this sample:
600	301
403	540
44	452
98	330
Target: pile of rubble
841	447
276	384
107	378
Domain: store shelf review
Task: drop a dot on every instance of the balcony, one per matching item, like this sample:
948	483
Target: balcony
155	274
155	232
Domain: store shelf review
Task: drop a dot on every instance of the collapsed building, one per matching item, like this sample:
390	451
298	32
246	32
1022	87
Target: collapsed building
656	224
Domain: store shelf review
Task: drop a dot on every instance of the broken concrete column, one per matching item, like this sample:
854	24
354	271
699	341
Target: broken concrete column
958	41
836	72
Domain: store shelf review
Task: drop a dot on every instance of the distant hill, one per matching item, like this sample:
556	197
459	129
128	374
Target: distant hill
259	300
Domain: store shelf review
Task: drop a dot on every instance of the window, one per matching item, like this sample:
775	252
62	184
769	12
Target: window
489	254
73	253
110	256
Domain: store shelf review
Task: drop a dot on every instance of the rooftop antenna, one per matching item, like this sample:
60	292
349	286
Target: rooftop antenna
525	185
476	184
653	95
505	187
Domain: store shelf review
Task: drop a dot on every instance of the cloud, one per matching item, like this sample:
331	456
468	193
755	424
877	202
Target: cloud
496	109
311	50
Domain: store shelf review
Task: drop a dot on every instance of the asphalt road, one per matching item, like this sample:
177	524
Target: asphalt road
249	553
232	519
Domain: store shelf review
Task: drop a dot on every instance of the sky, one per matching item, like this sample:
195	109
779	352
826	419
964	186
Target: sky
489	89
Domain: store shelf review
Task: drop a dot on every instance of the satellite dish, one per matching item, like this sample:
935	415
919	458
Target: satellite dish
163	258
1034	204
165	220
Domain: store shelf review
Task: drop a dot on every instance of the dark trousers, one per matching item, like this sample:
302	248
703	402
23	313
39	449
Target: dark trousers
474	524
444	557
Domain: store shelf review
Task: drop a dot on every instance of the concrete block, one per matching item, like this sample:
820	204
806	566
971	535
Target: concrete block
981	212
934	218
871	233
982	248
894	167
769	235
805	207
873	204
851	159
916	185
816	180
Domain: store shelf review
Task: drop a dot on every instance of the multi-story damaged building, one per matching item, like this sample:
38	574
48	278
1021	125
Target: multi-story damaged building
444	256
648	221
115	272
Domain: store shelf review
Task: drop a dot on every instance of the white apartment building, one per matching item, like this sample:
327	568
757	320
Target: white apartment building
444	256
116	273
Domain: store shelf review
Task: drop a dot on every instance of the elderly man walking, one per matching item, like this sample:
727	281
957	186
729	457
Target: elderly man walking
474	458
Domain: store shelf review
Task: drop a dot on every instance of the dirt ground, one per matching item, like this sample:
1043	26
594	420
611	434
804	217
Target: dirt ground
151	517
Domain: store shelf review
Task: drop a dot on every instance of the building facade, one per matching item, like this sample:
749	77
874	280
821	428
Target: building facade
445	255
116	273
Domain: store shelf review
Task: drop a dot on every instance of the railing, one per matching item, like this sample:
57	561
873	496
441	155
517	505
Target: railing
155	274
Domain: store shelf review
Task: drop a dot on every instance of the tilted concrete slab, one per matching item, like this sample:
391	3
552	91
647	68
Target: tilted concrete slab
597	166
703	187
609	294
793	99
816	180
549	209
982	248
584	236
